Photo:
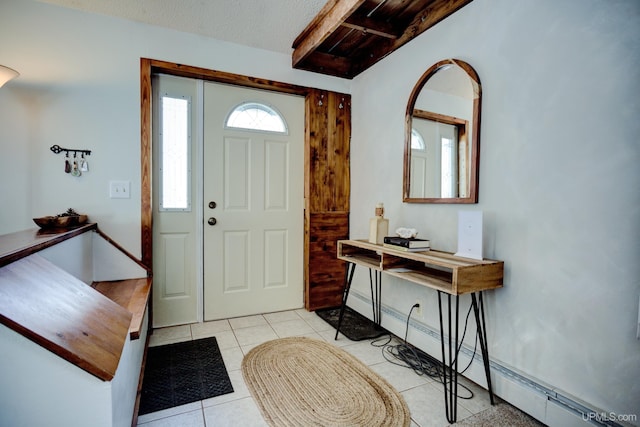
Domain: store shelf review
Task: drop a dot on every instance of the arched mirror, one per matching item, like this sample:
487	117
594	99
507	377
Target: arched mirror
442	136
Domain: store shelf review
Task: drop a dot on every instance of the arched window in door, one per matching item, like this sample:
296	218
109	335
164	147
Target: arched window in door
417	142
256	116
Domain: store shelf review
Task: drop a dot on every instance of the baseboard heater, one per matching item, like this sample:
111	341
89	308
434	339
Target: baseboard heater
586	414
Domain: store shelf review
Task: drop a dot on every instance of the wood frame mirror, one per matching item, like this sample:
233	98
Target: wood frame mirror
442	136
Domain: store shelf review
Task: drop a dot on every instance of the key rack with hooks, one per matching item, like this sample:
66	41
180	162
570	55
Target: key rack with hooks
76	166
57	149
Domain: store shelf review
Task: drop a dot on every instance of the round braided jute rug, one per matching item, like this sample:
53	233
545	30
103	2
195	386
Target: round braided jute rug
306	382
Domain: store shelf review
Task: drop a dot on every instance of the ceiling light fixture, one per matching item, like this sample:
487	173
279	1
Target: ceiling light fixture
7	74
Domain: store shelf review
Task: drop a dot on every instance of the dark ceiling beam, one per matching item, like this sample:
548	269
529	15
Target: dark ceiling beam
372	36
332	15
435	12
325	63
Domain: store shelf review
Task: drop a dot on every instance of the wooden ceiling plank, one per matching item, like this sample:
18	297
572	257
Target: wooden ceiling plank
371	26
350	45
332	15
432	14
327	64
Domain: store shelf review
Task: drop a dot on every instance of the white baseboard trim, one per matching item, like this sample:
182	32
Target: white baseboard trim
532	397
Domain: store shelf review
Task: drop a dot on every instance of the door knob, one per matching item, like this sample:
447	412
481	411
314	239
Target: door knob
212	205
212	221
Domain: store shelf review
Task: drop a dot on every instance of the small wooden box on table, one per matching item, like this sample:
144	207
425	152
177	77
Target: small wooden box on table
450	275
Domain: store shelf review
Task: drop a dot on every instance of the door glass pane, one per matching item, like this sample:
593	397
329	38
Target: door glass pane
256	116
417	142
175	171
447	167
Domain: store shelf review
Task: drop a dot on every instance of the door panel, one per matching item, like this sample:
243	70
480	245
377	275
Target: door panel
237	175
276	178
253	255
175	255
175	264
275	258
236	261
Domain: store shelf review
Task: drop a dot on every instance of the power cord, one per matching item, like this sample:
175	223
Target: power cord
408	356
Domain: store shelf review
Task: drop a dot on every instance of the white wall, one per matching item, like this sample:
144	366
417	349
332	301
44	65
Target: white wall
559	173
75	256
40	388
559	183
79	88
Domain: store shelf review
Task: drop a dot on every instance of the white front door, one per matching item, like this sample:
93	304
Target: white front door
253	206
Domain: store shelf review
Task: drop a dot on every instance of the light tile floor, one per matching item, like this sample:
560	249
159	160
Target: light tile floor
237	336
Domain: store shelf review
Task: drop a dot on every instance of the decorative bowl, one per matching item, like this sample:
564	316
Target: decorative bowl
60	221
45	221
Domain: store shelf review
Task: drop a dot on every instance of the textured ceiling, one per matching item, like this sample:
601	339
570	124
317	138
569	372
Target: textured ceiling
265	24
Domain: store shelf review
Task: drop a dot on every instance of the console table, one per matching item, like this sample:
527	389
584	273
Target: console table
449	275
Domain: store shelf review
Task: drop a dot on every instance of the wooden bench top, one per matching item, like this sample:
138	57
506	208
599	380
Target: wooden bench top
64	315
85	325
132	294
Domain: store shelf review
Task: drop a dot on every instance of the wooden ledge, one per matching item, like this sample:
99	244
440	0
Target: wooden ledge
21	244
132	294
62	314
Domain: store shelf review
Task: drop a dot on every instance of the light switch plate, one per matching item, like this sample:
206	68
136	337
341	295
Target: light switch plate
120	189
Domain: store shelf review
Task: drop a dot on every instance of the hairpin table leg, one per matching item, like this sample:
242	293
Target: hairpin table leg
482	335
450	369
348	277
376	295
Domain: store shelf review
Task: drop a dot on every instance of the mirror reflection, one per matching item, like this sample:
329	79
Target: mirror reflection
443	114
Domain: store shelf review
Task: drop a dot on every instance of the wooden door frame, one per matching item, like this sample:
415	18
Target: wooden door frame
148	67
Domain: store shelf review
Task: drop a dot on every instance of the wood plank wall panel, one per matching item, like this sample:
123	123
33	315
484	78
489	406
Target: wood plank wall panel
327	176
327	194
146	219
324	272
339	141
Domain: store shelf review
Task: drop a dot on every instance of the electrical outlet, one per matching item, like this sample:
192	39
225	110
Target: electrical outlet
120	189
418	309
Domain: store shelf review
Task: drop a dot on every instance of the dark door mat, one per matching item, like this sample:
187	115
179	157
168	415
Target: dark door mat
354	326
177	374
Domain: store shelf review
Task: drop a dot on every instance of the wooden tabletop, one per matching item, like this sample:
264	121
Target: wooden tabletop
439	270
